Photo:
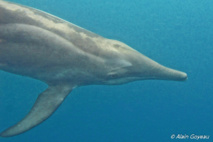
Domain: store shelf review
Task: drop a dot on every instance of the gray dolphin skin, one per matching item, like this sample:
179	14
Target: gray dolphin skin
64	56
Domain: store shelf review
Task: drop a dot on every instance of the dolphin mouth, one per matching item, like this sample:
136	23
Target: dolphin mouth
171	74
184	76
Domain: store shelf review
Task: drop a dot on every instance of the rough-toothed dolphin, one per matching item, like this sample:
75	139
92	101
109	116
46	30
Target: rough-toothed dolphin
64	56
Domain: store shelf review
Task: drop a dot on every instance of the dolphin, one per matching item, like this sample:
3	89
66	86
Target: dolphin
64	56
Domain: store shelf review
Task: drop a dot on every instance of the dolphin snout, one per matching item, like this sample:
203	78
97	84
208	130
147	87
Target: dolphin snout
183	76
171	74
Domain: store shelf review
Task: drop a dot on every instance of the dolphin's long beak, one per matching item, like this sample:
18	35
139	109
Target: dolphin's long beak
153	70
165	73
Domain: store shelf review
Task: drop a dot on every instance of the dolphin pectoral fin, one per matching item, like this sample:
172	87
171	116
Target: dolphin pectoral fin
46	103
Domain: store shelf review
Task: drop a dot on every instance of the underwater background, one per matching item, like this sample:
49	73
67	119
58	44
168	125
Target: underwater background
178	34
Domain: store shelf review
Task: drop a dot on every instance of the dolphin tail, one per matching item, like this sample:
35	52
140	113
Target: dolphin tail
46	103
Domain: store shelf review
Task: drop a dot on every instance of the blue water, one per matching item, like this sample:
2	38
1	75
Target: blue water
178	34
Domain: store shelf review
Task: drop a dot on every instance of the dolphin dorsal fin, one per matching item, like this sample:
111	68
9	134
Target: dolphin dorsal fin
45	105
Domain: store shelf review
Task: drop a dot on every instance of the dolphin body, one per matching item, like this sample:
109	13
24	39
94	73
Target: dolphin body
64	56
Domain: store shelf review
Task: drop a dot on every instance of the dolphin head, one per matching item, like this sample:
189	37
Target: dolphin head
129	65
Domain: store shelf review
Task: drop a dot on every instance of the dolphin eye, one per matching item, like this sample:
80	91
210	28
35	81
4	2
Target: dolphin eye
112	75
